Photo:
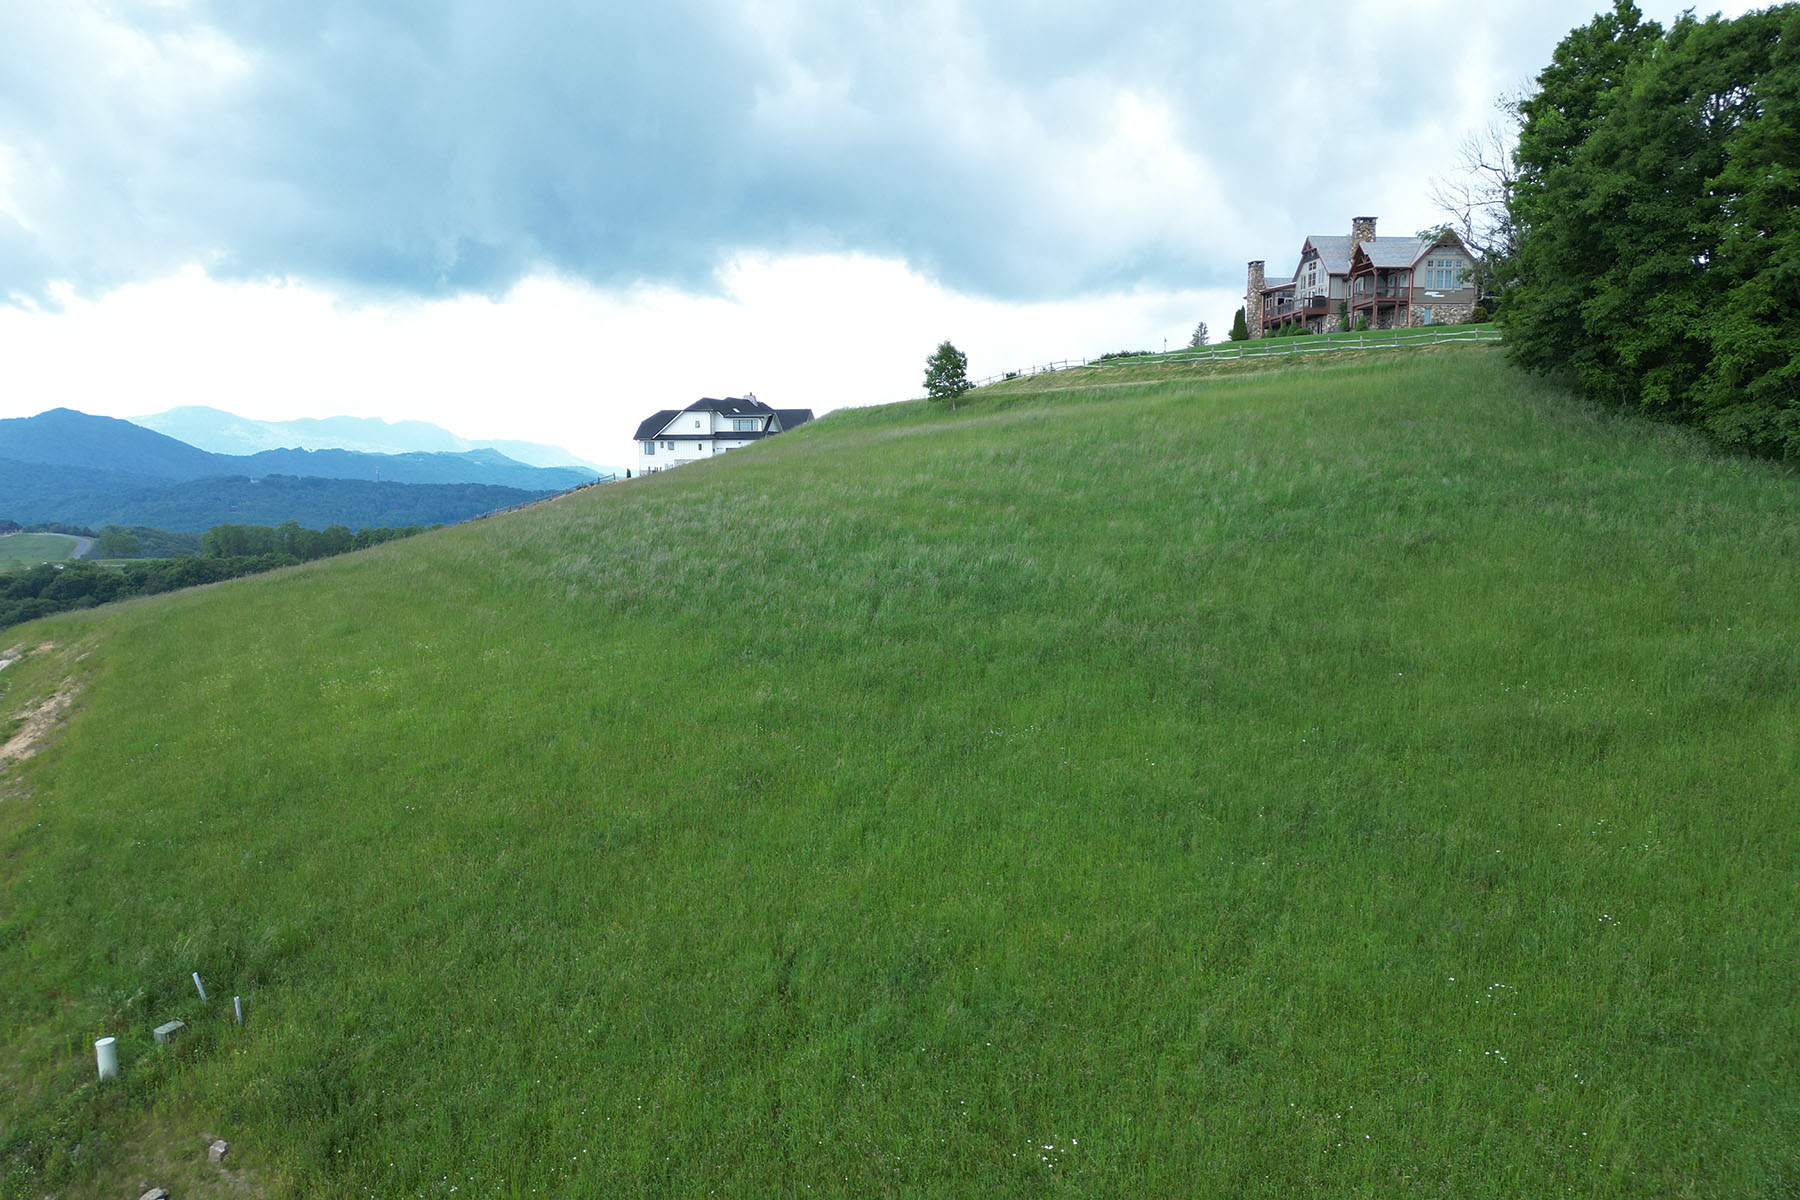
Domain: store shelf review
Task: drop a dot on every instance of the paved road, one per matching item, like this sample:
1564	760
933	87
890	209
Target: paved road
82	544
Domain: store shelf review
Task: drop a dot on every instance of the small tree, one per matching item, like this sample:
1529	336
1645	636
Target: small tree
1201	337
1240	332
947	374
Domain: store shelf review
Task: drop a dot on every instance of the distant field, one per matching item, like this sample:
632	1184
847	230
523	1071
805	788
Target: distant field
1373	778
26	549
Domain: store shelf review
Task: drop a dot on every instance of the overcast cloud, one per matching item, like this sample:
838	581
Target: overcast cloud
1020	148
1013	154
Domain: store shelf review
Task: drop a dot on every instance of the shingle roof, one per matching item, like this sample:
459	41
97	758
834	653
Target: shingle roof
1396	251
731	406
655	425
1334	252
790	417
747	407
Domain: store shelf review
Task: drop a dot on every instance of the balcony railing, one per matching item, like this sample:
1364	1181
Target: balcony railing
1302	306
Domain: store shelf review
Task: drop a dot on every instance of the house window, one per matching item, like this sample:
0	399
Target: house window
696	424
649	447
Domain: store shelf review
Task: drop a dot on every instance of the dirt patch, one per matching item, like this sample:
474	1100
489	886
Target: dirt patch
38	723
163	1151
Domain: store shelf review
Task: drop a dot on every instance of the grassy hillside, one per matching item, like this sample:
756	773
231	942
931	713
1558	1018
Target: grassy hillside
1362	780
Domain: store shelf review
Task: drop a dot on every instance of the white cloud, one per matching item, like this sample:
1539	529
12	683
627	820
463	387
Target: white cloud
555	360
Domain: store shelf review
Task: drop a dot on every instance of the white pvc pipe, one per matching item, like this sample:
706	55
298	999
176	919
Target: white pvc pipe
198	987
237	1006
106	1053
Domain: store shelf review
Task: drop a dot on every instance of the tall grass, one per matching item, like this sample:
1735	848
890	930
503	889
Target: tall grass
1360	781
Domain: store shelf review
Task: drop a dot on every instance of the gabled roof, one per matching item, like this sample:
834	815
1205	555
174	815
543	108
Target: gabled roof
1395	252
787	418
731	406
1334	252
1401	252
652	426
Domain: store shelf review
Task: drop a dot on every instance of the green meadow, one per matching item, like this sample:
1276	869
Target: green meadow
1372	777
28	549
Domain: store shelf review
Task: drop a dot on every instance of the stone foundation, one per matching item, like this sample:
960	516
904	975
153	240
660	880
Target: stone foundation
1444	314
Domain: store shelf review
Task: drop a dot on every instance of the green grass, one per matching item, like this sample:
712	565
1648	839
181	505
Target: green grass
1373	779
1423	335
29	549
1226	356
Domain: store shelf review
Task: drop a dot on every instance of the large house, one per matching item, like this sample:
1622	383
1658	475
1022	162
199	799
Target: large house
708	427
1382	283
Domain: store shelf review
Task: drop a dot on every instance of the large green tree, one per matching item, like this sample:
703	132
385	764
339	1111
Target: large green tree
1556	256
1659	260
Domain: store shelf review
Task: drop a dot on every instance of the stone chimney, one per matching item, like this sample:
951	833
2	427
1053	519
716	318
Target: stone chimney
1253	299
1362	229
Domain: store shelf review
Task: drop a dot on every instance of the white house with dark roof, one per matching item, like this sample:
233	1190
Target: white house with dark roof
1389	282
708	427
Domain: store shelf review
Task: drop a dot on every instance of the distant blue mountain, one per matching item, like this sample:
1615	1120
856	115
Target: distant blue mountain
79	469
470	466
227	433
34	492
64	437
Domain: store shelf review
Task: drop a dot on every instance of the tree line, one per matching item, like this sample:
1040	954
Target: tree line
1650	248
238	550
237	541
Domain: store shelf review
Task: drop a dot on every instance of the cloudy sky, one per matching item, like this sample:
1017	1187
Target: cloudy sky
544	219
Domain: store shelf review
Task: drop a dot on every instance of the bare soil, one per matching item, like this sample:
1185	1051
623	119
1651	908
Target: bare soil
38	723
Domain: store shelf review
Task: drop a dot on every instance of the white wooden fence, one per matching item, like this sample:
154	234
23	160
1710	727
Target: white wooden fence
1402	339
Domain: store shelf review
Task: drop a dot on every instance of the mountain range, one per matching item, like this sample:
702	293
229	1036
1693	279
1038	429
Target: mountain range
81	469
227	433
